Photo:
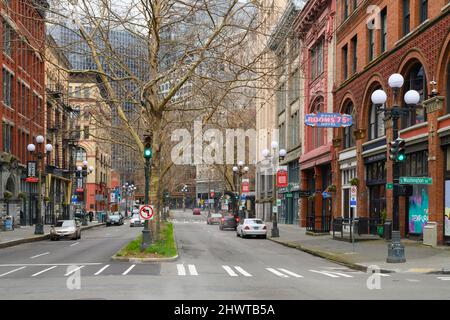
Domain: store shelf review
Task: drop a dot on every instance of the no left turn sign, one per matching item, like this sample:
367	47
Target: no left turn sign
146	212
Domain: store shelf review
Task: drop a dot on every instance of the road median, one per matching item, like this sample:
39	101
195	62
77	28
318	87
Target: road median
164	250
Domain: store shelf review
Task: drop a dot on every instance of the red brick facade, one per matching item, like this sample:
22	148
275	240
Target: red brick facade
426	44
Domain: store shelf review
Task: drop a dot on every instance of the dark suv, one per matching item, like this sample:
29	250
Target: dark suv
228	222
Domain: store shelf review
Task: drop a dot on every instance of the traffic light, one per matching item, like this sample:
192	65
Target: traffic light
148	147
397	150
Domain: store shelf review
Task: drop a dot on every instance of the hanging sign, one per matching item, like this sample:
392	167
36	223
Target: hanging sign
282	179
31	166
328	120
353	194
245	185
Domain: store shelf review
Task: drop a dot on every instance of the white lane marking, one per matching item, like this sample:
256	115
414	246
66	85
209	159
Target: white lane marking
412	280
50	264
282	275
45	270
4	274
74	244
181	270
128	270
325	273
192	270
101	270
230	271
245	273
290	273
39	255
444	278
72	271
342	274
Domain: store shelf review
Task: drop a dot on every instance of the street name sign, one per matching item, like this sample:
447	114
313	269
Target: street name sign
146	212
416	180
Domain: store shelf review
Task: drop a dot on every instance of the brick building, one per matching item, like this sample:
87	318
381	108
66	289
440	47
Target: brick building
22	101
375	39
315	28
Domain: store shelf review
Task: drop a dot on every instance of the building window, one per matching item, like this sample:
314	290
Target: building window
355	54
383	31
346	9
80	154
295	129
281	98
349	139
448	87
406	17
294	83
7	87
316	133
86	132
416	80
376	123
282	135
317	59
7	37
345	61
423	10
293	173
371	43
7	137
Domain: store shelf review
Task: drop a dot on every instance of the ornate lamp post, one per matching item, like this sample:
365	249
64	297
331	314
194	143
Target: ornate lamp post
82	173
274	163
128	189
239	171
40	153
184	190
396	251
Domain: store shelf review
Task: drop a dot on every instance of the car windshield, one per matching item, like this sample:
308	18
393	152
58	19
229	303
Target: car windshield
135	216
115	216
254	221
216	215
229	218
67	223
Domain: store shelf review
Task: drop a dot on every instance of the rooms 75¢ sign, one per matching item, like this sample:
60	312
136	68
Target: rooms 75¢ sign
146	212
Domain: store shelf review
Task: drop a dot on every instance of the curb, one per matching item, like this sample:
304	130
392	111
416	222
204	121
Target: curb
37	238
330	257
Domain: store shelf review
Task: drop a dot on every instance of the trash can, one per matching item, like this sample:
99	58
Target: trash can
387	230
430	234
7	224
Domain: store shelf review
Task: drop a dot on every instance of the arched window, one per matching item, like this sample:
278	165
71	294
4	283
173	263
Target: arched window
376	121
317	134
349	138
448	87
415	79
80	154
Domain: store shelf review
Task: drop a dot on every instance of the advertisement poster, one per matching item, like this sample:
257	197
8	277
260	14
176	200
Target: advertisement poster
447	209
418	209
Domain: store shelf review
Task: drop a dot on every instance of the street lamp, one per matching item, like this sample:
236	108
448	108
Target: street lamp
281	154
396	251
128	189
82	173
184	190
239	170
39	227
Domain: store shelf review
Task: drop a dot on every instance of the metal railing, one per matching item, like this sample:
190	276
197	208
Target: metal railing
318	224
356	226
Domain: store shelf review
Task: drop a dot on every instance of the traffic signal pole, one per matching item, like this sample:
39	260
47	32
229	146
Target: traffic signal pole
146	233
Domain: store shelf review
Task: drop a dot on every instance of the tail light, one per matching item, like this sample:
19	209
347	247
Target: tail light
264	228
237	219
247	228
222	219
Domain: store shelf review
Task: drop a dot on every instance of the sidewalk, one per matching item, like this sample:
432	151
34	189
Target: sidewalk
26	234
419	258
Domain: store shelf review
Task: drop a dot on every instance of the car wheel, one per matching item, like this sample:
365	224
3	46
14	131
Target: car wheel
237	234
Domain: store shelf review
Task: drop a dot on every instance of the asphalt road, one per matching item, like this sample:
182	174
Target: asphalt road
213	264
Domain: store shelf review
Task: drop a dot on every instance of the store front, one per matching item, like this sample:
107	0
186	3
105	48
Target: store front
347	165
445	142
376	184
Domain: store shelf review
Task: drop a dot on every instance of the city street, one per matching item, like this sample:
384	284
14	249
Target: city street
212	264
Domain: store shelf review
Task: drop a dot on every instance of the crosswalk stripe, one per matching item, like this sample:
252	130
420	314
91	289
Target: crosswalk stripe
290	273
192	270
45	270
325	273
230	271
282	275
40	255
181	270
101	270
245	273
128	270
342	274
6	273
70	272
444	278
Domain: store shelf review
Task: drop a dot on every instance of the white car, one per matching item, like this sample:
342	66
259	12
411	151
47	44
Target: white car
251	227
66	228
136	221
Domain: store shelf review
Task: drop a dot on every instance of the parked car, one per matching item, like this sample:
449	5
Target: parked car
228	222
196	212
252	227
213	218
136	221
66	228
114	219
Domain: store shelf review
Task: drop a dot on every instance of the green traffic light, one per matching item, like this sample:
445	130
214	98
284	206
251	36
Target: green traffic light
147	153
401	157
